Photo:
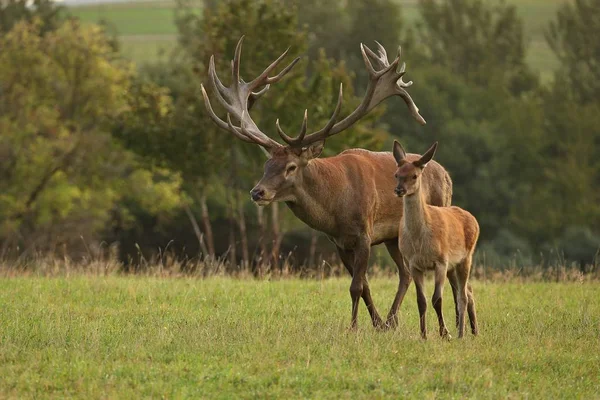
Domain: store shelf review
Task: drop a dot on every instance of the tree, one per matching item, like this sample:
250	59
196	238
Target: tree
571	37
371	20
62	174
476	41
47	13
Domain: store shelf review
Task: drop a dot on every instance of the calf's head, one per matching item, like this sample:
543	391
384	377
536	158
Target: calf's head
408	174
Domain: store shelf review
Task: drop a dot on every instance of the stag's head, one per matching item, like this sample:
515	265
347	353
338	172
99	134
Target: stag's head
285	167
408	173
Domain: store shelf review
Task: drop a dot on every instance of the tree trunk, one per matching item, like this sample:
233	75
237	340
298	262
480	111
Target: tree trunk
232	208
243	235
262	245
208	236
197	230
232	227
277	235
313	249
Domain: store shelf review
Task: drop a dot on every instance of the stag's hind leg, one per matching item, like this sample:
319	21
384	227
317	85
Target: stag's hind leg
403	284
440	278
471	310
453	280
465	297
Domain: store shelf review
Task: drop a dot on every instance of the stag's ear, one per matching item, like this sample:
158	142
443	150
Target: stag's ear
422	162
313	151
399	153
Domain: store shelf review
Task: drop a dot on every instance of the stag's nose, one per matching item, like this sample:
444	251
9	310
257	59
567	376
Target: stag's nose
257	193
400	191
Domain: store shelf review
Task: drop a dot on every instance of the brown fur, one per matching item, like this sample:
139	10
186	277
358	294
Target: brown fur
441	239
350	198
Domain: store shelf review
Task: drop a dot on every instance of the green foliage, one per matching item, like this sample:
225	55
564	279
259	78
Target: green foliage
506	250
476	41
579	244
127	337
62	174
47	13
571	38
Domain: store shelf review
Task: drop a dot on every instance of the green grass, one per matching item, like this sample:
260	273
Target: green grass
147	48
135	18
147	27
133	337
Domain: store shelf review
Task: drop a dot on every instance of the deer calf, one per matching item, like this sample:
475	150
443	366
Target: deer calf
441	239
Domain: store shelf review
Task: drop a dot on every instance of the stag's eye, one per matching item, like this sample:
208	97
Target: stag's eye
291	169
414	177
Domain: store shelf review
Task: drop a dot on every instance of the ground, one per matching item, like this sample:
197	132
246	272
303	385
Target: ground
131	337
147	28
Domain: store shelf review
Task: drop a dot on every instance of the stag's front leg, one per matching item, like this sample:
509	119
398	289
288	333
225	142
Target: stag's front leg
404	280
360	286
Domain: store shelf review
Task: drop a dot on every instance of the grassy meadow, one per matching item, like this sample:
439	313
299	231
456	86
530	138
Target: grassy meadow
131	337
147	29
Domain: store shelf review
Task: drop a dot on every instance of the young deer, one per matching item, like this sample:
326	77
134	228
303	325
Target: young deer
435	238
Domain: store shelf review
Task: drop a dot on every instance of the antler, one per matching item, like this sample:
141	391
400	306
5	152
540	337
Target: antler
383	83
240	96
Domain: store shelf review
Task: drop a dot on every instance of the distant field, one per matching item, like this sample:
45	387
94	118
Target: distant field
146	28
138	337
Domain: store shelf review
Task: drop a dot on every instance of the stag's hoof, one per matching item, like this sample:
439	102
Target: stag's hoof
392	322
379	325
445	334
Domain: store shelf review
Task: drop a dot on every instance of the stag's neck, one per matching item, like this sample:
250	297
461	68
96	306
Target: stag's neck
313	197
416	218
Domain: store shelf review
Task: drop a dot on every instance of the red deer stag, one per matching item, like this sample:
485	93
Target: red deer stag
347	196
441	239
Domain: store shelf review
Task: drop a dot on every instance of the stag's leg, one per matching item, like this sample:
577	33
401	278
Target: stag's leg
471	310
347	258
403	284
418	277
453	279
462	272
360	285
440	278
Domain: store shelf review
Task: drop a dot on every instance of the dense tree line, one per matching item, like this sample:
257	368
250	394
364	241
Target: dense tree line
94	149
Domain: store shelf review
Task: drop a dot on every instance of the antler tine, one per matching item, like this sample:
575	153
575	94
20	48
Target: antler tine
299	141
220	123
256	95
237	132
367	61
414	110
336	111
239	98
290	140
265	141
381	59
381	49
218	87
235	64
383	83
264	78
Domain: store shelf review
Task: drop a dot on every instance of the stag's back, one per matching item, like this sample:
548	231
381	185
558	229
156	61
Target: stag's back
374	172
